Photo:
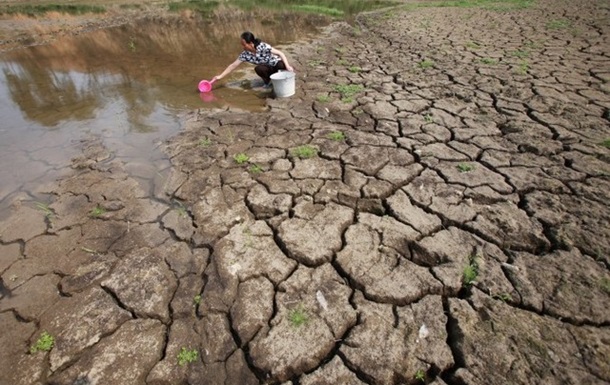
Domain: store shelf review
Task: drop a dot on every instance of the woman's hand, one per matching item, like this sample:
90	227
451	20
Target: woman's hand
289	68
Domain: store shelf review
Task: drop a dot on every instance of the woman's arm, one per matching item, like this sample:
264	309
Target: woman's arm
283	57
228	70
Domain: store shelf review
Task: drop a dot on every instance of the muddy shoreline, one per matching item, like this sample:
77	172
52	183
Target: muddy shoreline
430	207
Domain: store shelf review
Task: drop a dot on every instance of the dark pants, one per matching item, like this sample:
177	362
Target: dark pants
265	71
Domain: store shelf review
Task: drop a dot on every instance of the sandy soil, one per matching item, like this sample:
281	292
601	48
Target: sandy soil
430	207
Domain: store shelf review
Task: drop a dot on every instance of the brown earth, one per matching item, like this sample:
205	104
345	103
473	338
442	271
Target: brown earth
473	144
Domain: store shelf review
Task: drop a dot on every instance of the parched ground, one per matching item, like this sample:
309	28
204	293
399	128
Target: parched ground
451	226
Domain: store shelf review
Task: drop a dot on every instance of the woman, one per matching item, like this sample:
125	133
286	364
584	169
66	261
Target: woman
267	59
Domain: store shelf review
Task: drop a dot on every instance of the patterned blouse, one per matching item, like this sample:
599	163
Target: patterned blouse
263	55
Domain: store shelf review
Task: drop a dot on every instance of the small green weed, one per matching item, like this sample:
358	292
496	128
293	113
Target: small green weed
314	63
132	44
197	299
241	158
97	211
473	45
425	64
504	297
471	271
606	143
318	9
420	375
338	136
354	69
348	91
465	167
342	62
604	283
323	98
298	316
180	209
523	68
558	24
304	152
489	61
46	210
520	53
428	118
187	356
255	169
44	343
205	142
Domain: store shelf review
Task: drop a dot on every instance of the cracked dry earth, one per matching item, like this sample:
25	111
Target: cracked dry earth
490	158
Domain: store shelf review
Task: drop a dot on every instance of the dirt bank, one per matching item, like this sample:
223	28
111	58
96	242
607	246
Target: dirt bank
430	207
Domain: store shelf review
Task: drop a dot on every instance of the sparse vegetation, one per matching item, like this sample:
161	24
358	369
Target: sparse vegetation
471	271
557	24
41	9
523	67
348	91
205	142
304	152
318	9
255	169
606	143
241	158
323	98
604	283
197	299
338	136
420	375
44	343
425	64
354	69
473	45
187	356
465	167
46	210
504	297
489	61
428	118
97	211
522	54
298	316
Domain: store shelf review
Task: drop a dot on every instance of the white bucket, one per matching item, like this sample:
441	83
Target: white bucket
283	83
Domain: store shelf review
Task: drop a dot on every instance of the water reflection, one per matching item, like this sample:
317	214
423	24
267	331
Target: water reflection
128	85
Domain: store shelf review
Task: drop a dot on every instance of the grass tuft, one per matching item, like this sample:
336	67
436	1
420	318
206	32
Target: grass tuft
304	152
241	158
44	343
471	271
298	316
187	356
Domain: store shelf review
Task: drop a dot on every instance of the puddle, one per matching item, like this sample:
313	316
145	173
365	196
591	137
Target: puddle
129	85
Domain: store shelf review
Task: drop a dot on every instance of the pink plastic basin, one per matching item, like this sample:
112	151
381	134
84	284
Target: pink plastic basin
205	86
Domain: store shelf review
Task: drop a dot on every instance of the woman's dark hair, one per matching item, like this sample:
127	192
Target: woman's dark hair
249	38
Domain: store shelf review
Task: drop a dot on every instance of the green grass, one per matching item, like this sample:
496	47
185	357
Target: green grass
46	210
520	53
465	167
473	45
204	142
606	143
420	375
255	169
604	283
97	211
40	9
323	98
298	316
318	9
523	68
348	91
44	343
201	6
557	24
354	69
304	152
197	299
428	118
425	64
187	356
489	61
504	297
338	136
241	158
471	271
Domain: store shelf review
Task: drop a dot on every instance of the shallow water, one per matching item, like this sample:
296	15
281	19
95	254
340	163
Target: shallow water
129	85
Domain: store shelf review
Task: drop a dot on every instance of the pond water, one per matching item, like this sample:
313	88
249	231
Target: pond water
130	86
